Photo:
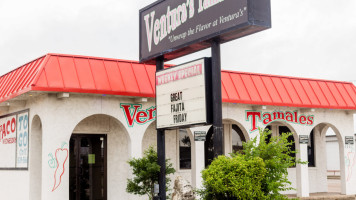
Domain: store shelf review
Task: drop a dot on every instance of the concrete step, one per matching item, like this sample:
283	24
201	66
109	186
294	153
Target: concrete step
331	197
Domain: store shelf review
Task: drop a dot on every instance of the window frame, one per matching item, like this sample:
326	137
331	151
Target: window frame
178	150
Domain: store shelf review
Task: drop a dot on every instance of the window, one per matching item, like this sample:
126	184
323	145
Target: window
185	160
284	129
237	138
311	152
268	128
209	148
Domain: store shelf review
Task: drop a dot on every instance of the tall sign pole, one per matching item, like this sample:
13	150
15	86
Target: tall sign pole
161	149
217	99
172	29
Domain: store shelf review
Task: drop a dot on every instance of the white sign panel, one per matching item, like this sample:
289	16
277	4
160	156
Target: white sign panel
181	95
22	140
8	142
14	140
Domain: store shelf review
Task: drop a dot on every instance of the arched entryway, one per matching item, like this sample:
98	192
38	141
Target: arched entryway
330	158
35	161
234	135
277	128
179	148
150	137
99	151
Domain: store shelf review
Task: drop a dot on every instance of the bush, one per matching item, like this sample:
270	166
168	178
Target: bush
234	178
146	172
259	172
276	155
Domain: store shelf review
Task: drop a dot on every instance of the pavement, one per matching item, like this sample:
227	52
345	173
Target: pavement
334	188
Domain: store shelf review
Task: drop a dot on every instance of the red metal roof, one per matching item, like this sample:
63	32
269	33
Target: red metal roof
263	89
83	74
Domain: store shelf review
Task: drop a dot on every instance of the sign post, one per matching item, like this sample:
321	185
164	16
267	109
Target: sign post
183	99
171	29
217	105
161	149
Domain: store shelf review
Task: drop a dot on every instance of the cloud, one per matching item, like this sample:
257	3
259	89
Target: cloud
307	39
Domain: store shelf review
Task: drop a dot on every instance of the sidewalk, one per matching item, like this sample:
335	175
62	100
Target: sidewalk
333	194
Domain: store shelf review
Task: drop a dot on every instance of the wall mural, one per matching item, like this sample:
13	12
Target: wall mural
58	162
52	163
350	160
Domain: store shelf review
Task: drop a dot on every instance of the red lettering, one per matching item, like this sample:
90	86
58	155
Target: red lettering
3	130
267	118
130	116
134	113
289	116
278	115
302	119
140	115
296	116
8	127
9	140
150	113
310	120
254	115
13	125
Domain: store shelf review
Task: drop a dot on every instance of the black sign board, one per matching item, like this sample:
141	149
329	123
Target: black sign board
303	139
175	28
199	135
349	140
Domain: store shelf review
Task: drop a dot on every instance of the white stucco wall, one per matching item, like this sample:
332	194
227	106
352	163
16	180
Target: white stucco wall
61	117
332	151
14	185
339	120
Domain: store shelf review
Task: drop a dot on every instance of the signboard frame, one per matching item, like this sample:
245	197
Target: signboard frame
200	135
258	19
303	139
208	95
349	140
28	139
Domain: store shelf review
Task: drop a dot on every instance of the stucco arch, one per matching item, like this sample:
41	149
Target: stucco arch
90	121
325	126
118	150
171	148
35	160
243	129
322	129
290	127
149	137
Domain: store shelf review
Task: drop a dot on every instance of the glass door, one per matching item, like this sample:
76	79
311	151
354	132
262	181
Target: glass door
87	163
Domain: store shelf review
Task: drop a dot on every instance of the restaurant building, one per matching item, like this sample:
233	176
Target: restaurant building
69	124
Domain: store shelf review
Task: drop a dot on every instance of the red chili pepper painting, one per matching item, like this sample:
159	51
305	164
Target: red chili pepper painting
61	156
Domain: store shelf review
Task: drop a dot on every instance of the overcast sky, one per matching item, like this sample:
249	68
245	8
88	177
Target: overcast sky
308	38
